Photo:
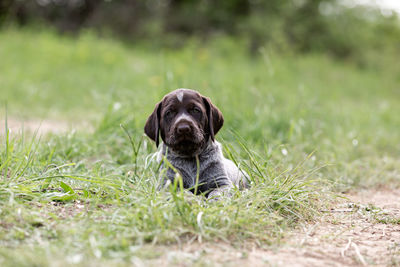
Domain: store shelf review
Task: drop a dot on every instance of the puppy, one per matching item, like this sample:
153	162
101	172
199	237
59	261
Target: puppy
187	123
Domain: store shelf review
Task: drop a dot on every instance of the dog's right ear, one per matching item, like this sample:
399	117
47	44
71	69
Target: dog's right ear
152	127
214	116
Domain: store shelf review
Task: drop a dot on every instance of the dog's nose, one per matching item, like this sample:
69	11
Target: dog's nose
183	129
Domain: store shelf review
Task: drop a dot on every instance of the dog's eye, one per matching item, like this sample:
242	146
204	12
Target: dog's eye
169	113
195	110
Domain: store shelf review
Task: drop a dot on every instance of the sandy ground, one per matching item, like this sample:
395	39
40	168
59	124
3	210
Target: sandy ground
44	126
351	234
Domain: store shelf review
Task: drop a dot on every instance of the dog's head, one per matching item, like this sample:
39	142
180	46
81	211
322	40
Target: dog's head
185	120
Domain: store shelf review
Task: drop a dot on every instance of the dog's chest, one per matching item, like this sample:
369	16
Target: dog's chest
204	167
189	169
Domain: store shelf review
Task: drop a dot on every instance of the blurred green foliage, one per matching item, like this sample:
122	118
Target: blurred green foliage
293	25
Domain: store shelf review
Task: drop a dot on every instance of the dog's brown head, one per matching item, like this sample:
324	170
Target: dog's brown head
185	120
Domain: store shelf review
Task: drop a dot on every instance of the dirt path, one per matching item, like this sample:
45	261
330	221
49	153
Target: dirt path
361	230
44	126
364	230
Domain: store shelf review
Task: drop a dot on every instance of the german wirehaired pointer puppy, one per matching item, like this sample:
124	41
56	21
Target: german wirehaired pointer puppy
187	123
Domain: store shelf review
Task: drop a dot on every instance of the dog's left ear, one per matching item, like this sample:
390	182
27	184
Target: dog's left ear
152	127
214	116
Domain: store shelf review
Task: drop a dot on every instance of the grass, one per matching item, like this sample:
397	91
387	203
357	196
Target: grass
302	127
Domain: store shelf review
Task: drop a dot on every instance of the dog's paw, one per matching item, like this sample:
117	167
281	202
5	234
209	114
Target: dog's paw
219	194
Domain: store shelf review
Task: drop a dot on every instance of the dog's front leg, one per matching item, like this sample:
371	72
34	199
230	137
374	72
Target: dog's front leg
220	192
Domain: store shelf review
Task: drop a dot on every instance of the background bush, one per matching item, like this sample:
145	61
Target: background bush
295	25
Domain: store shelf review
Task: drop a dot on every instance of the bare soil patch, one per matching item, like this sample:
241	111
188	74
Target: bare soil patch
359	230
44	126
364	230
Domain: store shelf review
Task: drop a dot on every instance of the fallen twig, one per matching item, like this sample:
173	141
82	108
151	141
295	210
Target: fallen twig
360	257
346	247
